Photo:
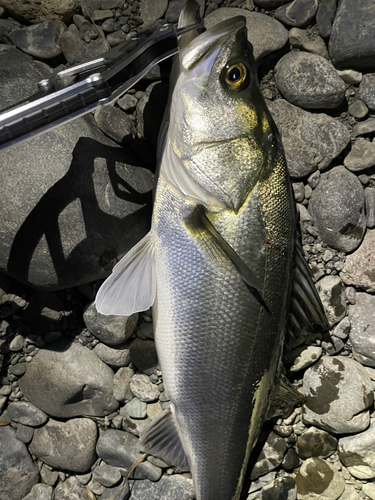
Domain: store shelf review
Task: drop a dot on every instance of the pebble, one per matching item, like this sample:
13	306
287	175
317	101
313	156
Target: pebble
363	128
119	492
291	460
337	206
121	384
301	39
107	475
306	356
48	475
18	473
40	40
143	355
356	453
40	492
325	16
295	125
114	123
359	269
76	50
314	179
346	50
78	382
152	10
370	207
338	393
26	413
361	156
309	81
350	76
66	445
270	457
120	449
116	356
264	33
128	103
342	330
316	479
70	489
299	191
101	15
315	443
136	408
297	13
17	343
87	31
142	388
362	331
168	488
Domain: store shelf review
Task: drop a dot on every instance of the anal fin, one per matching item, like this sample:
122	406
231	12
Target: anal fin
160	438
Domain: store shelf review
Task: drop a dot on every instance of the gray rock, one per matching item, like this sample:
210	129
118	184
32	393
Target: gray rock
87	30
168	488
95	487
101	15
121	384
143	355
40	40
17	343
350	493
297	13
342	330
356	453
107	475
175	7
315	443
113	40
309	81
88	7
109	25
291	460
74	184
337	206
33	11
143	389
120	492
282	488
325	16
68	380
359	269
264	33
352	41
369	490
110	329
314	179
114	123
66	445
26	413
317	480
366	127
358	109
18	369
40	492
136	408
112	4
370	207
311	141
128	103
299	191
304	356
367	90
361	156
152	10
24	433
76	50
301	39
332	294
362	331
350	76
70	489
338	393
116	356
48	475
6	28
270	457
18	473
120	449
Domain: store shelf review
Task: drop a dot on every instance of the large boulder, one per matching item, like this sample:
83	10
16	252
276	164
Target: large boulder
73	201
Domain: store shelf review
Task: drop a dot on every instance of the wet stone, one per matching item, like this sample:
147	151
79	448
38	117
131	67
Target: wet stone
66	445
270	457
40	492
136	408
358	109
316	479
367	90
361	156
142	388
337	206
107	475
362	331
26	413
309	81
297	13
315	443
121	384
356	453
338	392
370	207
40	40
359	269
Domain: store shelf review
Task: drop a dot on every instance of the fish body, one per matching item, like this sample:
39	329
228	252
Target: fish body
216	265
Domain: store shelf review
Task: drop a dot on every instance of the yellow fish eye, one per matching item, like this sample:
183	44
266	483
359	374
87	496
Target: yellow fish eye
235	76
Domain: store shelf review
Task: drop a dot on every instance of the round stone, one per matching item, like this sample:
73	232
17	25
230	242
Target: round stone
142	388
27	414
356	453
315	443
317	480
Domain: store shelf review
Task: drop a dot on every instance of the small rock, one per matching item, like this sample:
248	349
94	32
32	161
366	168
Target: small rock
87	31
314	179
337	206
309	81
325	16
76	50
299	191
303	213
356	453
40	492
317	480
363	128
17	343
142	388
307	143
306	356
128	103
119	492
114	123
370	207
109	25
110	329
101	15
136	408
332	294
270	457
120	449
143	355
121	384
366	89
358	109
95	487
315	443
361	156
107	475
350	76
116	356
291	460
18	369
359	269
70	489
18	473
152	10
168	488
363	329
297	13
369	490
350	493
280	488
26	413
300	39
48	475
113	40
24	433
342	330
338	392
40	40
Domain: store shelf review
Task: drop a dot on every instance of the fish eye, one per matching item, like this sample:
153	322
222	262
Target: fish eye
235	76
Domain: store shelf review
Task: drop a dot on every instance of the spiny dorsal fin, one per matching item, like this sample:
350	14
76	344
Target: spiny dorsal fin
132	285
160	438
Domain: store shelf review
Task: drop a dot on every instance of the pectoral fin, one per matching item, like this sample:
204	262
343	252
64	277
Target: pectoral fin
199	224
132	285
160	438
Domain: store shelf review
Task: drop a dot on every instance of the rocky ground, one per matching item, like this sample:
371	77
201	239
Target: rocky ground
76	388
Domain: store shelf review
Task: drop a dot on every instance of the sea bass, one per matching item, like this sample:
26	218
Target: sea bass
218	265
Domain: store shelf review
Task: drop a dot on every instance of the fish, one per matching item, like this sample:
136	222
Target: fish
220	266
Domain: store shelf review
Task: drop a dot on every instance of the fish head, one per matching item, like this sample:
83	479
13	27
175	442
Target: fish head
220	127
